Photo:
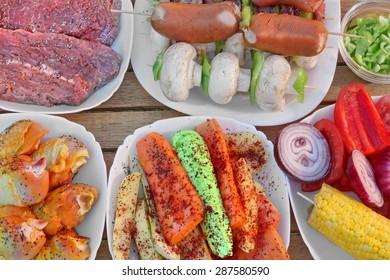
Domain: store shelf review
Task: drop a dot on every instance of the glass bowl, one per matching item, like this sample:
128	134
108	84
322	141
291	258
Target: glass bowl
363	9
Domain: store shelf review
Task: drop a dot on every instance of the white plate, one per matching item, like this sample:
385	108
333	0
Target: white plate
122	45
271	177
320	77
93	173
320	247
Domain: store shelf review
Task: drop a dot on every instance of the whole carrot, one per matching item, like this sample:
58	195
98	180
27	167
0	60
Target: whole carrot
215	140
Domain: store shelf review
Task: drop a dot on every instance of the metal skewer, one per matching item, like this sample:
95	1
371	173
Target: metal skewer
143	14
305	197
345	35
129	12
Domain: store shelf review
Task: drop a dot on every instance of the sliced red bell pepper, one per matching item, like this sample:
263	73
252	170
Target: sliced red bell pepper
359	122
383	107
332	135
335	141
342	184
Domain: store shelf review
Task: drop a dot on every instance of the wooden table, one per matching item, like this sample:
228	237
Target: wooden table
132	107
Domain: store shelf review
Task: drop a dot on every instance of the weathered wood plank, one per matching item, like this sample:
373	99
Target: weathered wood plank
111	128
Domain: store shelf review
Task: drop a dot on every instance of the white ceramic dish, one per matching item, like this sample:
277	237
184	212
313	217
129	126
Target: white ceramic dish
271	177
320	77
122	45
93	172
319	246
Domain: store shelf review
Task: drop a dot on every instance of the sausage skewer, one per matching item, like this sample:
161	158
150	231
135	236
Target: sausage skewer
199	23
205	23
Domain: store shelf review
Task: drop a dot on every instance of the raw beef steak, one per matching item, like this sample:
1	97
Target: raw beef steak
50	69
86	19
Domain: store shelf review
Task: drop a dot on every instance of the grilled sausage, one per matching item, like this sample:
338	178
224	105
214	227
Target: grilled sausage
197	23
286	35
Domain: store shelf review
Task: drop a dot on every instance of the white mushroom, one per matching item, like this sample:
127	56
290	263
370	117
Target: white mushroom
159	42
179	71
236	45
244	80
272	85
307	62
224	75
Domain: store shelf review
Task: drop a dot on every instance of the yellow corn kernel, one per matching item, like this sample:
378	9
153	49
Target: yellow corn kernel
351	225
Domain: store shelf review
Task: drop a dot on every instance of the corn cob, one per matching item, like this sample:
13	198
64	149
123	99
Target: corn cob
354	227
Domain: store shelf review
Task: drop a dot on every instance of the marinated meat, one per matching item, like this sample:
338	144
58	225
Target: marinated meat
89	20
50	69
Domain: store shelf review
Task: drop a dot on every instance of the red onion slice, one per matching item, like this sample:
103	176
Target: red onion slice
381	166
361	177
302	153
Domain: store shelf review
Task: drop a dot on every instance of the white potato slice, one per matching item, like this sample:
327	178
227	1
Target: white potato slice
142	234
194	246
124	216
249	146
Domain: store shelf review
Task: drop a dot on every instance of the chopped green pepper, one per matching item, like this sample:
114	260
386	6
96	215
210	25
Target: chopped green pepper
206	69
307	15
154	2
278	9
257	65
372	51
219	46
246	13
300	83
246	16
157	65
